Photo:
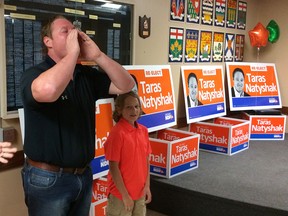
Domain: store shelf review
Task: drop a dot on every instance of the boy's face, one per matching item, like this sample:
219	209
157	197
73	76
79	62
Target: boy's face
131	110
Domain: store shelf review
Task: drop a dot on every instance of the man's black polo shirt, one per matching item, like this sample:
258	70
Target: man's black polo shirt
63	132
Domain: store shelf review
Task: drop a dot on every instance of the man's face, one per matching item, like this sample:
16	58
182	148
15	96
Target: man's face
60	29
238	82
193	88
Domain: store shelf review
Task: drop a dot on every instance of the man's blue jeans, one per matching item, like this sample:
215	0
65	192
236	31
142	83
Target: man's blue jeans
56	193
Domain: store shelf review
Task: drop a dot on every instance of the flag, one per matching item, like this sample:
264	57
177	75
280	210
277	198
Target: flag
176	44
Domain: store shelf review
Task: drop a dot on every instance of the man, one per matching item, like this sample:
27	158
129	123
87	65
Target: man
238	78
193	91
59	105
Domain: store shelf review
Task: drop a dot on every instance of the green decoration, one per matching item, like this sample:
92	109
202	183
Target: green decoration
274	31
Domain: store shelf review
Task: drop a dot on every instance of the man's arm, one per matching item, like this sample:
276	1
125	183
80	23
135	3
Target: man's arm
50	84
121	80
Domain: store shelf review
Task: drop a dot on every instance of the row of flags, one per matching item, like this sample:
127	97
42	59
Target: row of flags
221	13
194	45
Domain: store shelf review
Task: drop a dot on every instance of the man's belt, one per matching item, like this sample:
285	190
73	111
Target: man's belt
54	168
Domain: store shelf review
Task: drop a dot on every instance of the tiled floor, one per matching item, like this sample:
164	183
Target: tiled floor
154	213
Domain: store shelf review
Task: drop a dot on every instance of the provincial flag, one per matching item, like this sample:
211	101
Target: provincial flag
218	47
231	13
220	10
205	46
207	12
191	46
177	10
239	48
176	44
193	11
241	19
229	47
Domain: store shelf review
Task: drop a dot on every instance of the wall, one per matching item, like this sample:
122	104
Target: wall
263	11
154	50
11	194
276	52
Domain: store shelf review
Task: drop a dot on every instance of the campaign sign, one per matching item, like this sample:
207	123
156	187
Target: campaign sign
103	125
224	135
99	197
155	88
266	127
98	208
252	86
203	92
174	152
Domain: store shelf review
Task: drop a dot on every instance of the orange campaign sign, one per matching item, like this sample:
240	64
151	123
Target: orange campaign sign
203	92
99	197
155	88
212	134
253	86
159	155
173	152
103	125
224	136
239	132
98	209
184	152
99	189
266	127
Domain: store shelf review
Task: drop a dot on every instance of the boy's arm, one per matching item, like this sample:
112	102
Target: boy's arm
118	180
147	192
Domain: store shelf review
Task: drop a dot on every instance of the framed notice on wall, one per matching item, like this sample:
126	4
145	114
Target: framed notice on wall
204	92
253	86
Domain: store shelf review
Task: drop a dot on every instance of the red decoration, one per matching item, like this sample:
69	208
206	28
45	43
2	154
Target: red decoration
259	36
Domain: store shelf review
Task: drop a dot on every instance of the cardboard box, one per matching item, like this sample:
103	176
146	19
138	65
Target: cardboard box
266	127
174	152
224	135
99	197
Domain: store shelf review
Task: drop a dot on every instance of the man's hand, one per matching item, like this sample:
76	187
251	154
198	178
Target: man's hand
89	51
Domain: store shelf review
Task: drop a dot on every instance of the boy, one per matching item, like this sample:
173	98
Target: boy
127	148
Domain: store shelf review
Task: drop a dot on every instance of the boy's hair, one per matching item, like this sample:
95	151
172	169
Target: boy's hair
120	102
